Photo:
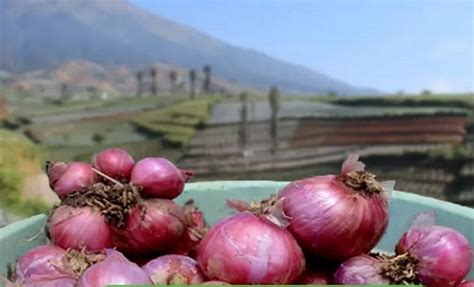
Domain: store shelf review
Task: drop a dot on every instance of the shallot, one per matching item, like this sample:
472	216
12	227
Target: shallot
248	248
115	163
114	270
338	216
159	178
79	227
156	226
66	178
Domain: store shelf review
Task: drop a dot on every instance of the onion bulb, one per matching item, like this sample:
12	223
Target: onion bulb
114	270
66	178
336	217
250	249
156	226
443	255
115	163
362	269
159	178
78	228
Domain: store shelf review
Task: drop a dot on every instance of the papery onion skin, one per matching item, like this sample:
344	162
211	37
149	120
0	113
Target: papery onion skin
246	249
114	270
467	284
444	255
159	178
214	282
114	162
174	270
42	260
155	228
79	227
333	221
361	269
66	178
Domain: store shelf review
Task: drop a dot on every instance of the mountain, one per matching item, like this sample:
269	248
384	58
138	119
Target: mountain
42	34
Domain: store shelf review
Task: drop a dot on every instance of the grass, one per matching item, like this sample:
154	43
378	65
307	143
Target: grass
177	123
18	158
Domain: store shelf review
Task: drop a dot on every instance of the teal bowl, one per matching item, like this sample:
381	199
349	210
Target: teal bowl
17	238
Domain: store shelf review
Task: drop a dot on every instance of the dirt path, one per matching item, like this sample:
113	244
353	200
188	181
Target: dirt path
37	187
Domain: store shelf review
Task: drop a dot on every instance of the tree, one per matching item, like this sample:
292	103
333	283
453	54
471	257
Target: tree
274	99
426	92
192	81
206	85
153	88
332	93
98	138
139	76
173	77
93	92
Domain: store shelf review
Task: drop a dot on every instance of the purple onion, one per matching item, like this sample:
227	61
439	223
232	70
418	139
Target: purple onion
114	270
361	269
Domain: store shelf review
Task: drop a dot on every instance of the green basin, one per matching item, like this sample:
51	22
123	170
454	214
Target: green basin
17	238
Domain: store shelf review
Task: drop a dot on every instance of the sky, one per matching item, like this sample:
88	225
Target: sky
391	45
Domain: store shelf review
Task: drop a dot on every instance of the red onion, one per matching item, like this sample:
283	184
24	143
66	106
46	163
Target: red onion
66	178
174	270
313	277
115	163
79	227
467	284
215	282
338	216
42	260
249	249
361	269
114	270
159	178
44	266
443	255
157	226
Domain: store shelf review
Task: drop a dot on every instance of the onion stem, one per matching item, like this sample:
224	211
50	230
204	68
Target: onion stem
107	177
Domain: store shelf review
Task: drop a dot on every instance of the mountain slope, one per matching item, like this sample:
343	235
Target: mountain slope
39	34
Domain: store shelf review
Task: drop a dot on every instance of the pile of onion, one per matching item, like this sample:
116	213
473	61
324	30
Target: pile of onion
338	216
251	247
102	205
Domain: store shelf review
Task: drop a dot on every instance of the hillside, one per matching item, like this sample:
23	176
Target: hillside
39	34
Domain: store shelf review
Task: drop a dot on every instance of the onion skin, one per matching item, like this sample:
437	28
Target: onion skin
159	178
79	227
42	260
71	177
156	228
332	221
246	249
444	255
115	163
174	270
361	269
114	270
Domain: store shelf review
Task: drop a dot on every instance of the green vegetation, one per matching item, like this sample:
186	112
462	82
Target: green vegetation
178	123
18	158
438	100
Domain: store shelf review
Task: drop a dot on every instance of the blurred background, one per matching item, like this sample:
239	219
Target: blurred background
268	89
